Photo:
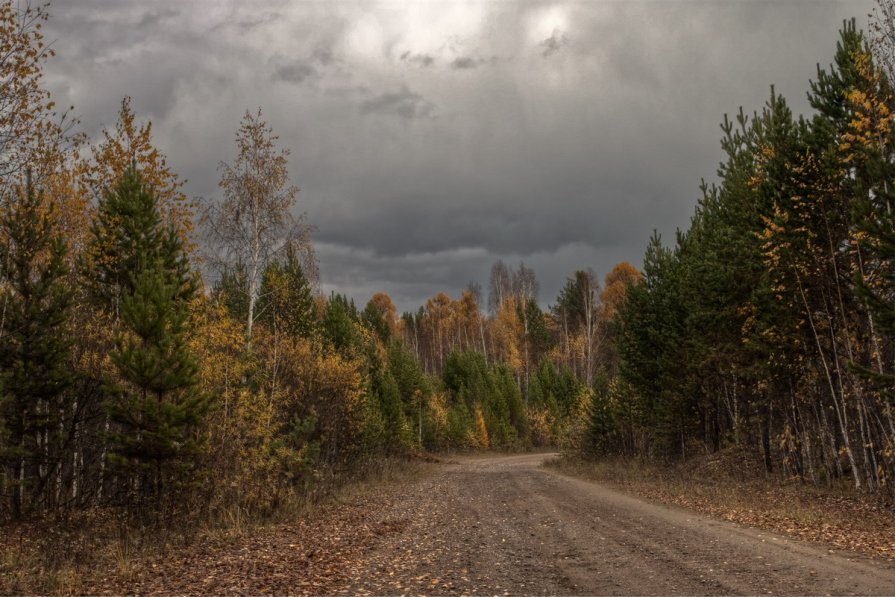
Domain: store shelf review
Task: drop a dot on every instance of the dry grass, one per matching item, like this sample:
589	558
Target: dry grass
63	554
727	487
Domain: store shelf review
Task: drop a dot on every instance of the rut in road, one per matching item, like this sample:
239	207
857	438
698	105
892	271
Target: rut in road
506	525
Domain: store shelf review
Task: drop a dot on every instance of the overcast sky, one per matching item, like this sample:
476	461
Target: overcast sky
431	138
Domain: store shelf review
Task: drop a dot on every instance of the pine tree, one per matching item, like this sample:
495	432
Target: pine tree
34	343
141	269
384	388
156	403
338	322
127	235
232	292
877	222
869	146
285	302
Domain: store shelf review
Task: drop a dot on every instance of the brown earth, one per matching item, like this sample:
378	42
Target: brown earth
505	525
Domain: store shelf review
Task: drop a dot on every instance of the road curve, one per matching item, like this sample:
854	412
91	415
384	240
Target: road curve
506	525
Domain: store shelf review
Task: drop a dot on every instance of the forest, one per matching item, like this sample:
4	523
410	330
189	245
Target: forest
176	358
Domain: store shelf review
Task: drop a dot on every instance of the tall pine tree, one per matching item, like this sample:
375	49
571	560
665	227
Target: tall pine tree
34	344
141	269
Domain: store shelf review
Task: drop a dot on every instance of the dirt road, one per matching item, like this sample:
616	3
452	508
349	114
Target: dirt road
505	525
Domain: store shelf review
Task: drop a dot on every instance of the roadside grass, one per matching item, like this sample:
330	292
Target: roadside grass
66	553
727	487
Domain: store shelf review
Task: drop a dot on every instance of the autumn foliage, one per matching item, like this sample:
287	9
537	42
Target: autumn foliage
172	371
767	328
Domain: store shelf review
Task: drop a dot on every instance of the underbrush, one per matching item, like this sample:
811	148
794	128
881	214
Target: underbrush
63	553
724	486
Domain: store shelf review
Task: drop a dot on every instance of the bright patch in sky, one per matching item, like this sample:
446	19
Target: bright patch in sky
428	26
365	38
546	22
556	133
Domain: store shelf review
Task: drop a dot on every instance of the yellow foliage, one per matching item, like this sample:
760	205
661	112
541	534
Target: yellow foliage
615	289
387	311
32	133
872	119
130	144
480	437
438	414
256	464
508	332
540	422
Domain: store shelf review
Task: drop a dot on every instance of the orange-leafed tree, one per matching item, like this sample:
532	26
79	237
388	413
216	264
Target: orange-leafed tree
381	315
435	327
509	335
615	290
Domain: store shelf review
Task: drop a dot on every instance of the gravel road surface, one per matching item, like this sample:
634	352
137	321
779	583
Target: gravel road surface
507	525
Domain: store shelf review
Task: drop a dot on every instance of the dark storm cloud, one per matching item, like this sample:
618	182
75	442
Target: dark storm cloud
553	44
403	103
297	71
420	60
294	73
419	166
153	18
471	62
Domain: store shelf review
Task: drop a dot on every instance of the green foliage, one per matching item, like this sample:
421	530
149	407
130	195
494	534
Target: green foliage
127	236
492	389
232	292
372	318
338	327
395	429
770	323
538	335
285	303
154	402
35	344
571	308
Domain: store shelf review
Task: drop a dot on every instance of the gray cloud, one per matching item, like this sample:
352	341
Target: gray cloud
420	60
553	44
295	73
471	62
324	55
464	63
418	178
403	103
153	18
248	24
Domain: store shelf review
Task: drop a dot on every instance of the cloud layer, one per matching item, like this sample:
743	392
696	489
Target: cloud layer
431	138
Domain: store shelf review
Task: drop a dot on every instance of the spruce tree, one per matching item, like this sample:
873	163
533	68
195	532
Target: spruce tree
34	343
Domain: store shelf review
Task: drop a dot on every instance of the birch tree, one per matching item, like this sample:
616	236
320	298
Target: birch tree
254	221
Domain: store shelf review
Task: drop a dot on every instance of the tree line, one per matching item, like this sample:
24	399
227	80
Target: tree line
769	325
176	357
